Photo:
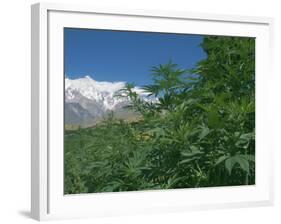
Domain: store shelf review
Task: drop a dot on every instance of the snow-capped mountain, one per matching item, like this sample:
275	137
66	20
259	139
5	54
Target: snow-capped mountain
87	100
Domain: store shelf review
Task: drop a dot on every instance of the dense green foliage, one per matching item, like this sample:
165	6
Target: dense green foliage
200	133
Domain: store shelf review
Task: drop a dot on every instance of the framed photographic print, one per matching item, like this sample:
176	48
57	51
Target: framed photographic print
138	111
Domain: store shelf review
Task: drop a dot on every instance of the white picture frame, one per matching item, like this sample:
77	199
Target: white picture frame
47	198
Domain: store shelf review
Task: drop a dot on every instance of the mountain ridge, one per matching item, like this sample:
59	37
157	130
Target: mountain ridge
87	101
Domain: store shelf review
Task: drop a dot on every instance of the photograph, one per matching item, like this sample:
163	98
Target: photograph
157	111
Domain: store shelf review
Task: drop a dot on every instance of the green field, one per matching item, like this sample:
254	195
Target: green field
200	132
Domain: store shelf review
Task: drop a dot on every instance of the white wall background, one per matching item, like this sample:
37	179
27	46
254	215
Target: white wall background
15	111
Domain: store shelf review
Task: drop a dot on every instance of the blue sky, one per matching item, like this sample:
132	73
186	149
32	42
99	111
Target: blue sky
126	56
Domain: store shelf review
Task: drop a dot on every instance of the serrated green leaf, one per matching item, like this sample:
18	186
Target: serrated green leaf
221	159
244	164
204	133
249	157
187	160
229	163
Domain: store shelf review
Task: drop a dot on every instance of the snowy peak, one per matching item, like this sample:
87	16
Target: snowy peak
87	86
88	100
92	90
98	92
